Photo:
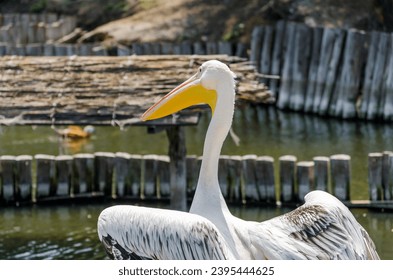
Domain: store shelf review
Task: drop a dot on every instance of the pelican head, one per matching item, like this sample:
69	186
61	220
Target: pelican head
202	88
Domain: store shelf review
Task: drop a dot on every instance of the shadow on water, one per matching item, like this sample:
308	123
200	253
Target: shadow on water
69	232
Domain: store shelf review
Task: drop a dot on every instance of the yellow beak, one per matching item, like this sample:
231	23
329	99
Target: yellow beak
189	93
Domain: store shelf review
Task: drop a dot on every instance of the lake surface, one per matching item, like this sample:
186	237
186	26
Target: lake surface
69	232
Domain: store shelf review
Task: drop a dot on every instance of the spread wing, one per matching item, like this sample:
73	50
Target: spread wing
322	228
130	232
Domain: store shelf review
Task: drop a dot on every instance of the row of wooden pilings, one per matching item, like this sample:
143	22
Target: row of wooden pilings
87	49
327	71
23	29
243	179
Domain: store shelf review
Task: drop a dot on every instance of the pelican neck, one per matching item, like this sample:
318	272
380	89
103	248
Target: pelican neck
208	197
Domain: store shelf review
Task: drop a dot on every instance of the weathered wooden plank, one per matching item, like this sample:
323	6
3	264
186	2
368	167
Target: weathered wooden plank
265	179
45	176
287	172
266	52
375	102
287	67
83	169
64	175
340	173
329	55
103	172
312	78
332	67
321	171
301	60
348	86
7	171
256	42
387	86
305	178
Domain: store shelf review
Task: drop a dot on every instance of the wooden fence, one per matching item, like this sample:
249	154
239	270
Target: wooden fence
23	29
327	71
243	179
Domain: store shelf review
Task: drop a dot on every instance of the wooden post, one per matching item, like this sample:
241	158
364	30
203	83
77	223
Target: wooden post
235	173
223	175
163	173
249	178
241	50
375	176
305	178
149	176
103	171
177	154
372	105
64	175
192	174
45	175
199	48
225	48
340	171
387	175
348	87
264	65
301	58
330	47
7	168
321	171
287	68
122	173
312	78
387	85
136	175
332	60
287	178
24	181
83	165
166	48
211	48
265	179
256	43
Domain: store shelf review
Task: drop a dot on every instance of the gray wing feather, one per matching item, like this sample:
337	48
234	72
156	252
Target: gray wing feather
130	232
322	228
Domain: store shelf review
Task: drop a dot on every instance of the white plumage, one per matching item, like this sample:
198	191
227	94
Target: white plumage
322	228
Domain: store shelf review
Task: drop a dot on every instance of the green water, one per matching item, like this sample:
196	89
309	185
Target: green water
69	232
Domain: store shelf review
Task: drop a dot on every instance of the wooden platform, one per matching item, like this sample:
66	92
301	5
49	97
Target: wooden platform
102	90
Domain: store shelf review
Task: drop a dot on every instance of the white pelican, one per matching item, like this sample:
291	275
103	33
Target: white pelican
322	228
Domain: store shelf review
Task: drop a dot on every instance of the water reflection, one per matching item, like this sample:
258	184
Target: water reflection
69	232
